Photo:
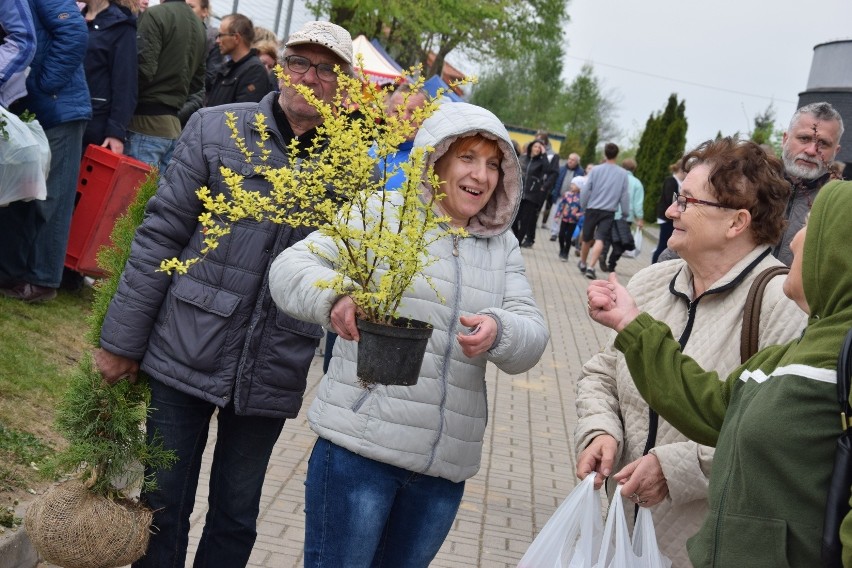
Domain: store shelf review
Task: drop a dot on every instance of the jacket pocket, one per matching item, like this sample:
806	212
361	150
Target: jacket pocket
197	327
299	327
756	542
253	180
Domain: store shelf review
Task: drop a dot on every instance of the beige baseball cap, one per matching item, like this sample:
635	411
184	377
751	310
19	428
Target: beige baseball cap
326	34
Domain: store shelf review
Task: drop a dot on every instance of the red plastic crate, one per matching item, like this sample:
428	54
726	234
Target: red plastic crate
108	183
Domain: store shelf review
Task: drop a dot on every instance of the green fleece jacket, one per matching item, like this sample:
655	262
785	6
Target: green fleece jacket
774	421
172	48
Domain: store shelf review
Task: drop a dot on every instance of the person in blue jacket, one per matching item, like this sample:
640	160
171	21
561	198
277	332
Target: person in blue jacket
34	235
17	49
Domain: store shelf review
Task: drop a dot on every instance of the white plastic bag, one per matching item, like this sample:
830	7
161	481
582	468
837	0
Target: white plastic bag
617	549
24	160
572	536
637	241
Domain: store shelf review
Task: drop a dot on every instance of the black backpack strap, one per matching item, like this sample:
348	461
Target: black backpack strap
844	369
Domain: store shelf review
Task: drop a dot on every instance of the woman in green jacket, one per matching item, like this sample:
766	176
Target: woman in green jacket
773	421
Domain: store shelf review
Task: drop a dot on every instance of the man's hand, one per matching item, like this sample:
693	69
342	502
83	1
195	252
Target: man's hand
599	457
343	318
643	481
114	368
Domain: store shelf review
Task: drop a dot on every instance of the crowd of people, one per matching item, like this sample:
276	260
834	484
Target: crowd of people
709	451
115	74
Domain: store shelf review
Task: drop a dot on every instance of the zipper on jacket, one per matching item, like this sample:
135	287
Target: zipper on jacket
447	353
360	402
718	528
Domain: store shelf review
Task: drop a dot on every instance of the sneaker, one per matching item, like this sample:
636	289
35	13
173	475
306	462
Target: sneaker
563	256
553	237
582	266
576	252
526	244
602	265
590	274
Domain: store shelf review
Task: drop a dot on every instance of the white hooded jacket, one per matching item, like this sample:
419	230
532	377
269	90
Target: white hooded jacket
435	427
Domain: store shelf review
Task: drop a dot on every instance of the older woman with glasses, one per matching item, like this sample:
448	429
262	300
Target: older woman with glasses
726	217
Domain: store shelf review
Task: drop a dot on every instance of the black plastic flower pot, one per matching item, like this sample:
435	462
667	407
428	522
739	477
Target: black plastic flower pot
392	354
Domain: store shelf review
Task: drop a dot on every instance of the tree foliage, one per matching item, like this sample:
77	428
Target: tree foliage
522	92
764	132
589	155
662	143
484	29
584	108
529	92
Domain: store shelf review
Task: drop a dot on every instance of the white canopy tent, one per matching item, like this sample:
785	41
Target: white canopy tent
374	65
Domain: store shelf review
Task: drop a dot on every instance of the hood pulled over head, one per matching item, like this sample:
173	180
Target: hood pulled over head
452	121
826	278
826	262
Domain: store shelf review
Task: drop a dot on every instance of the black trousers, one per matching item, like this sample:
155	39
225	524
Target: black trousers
526	221
566	231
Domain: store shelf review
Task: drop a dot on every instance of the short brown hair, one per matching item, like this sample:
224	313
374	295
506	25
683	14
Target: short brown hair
743	176
610	151
462	144
239	24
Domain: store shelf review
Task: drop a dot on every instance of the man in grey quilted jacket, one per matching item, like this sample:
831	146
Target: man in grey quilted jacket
212	339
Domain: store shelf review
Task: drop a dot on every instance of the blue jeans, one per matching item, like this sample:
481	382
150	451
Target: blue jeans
243	447
34	235
364	513
153	150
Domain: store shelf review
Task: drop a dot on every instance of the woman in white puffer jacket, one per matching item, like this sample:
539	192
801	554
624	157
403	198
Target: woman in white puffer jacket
387	473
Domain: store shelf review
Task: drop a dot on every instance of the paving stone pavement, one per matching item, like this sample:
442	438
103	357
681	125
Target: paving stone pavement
528	459
527	462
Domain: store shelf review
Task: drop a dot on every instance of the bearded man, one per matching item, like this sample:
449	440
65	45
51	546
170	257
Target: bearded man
809	148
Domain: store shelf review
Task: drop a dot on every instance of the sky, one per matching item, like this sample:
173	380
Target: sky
729	59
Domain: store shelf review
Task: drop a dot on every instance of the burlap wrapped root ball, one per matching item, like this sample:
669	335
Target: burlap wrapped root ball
74	528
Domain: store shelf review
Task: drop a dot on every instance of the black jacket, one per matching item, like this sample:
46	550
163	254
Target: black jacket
111	73
243	81
535	171
670	187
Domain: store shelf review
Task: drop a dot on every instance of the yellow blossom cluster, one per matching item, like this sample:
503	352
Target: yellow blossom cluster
382	240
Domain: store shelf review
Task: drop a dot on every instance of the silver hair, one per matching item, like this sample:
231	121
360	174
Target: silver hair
820	111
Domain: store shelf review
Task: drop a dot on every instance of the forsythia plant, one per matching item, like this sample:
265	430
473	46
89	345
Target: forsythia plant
382	237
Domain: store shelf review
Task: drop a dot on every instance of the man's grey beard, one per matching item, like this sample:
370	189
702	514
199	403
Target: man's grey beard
795	170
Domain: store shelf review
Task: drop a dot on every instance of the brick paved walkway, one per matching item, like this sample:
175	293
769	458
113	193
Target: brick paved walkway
528	461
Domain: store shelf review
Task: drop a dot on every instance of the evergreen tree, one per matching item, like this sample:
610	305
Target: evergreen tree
589	155
662	143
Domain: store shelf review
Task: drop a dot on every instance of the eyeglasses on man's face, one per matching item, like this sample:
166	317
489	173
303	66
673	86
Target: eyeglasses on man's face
301	65
682	200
